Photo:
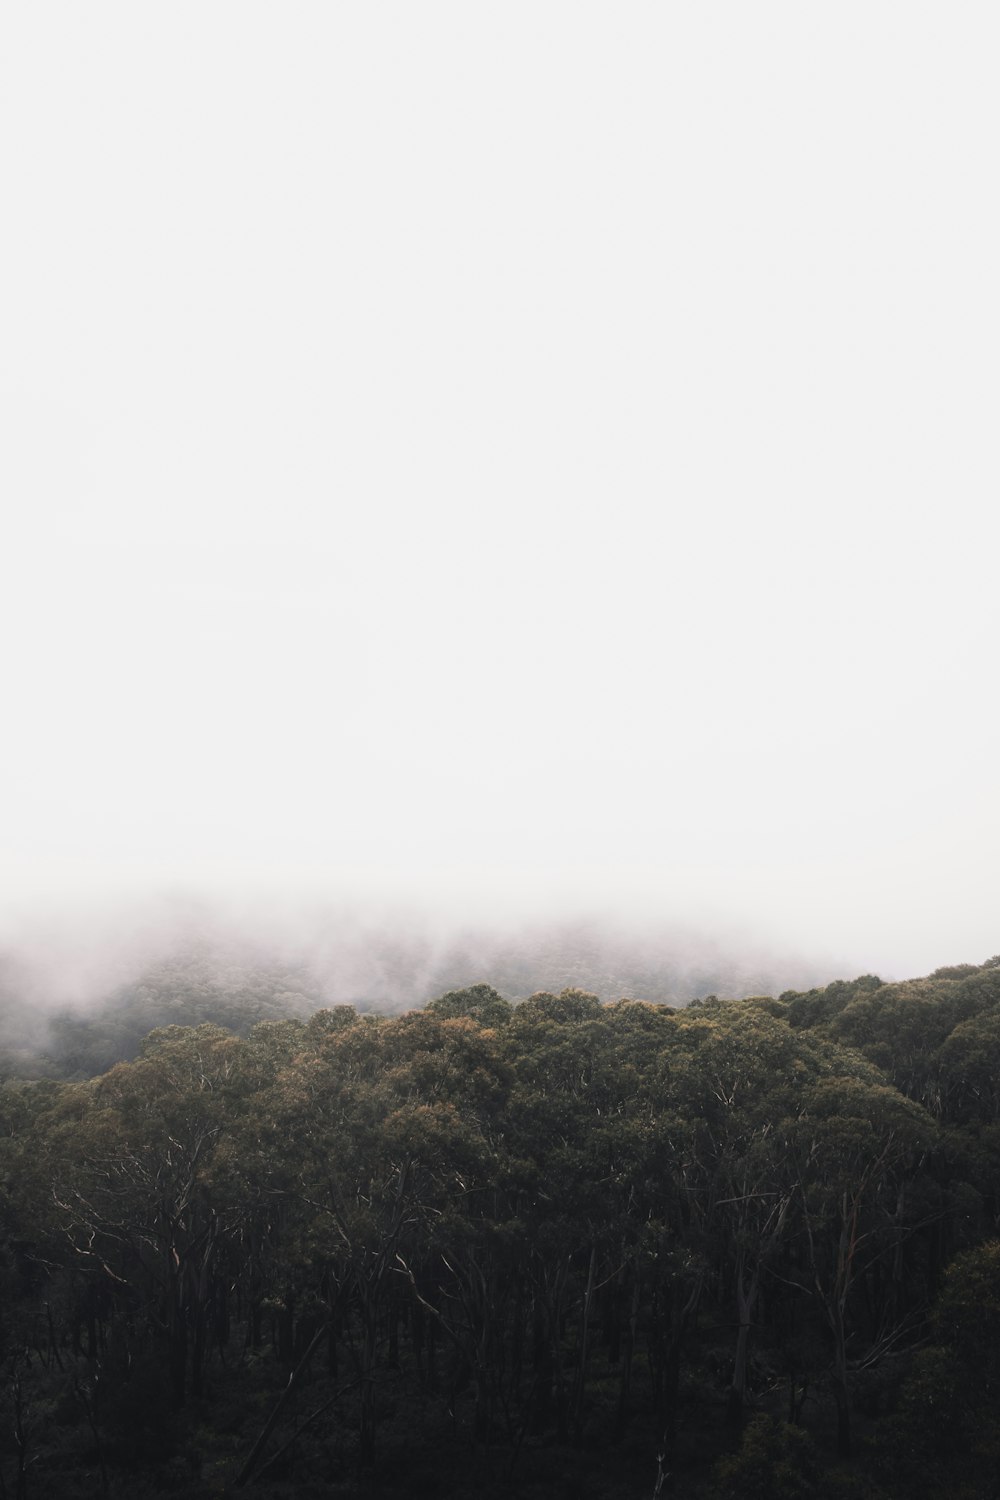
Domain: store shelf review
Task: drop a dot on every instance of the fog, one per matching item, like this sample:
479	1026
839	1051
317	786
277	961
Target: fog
513	478
386	957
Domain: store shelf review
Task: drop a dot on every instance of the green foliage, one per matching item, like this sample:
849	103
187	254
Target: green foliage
967	1316
775	1461
968	1069
189	991
540	1231
815	1007
479	1003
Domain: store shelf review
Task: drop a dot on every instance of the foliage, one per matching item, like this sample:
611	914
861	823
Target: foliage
776	1461
483	1240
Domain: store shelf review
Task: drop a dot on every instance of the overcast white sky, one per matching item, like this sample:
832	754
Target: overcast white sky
524	452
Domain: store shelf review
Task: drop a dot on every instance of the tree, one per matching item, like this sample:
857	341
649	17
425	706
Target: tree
480	1002
944	1437
136	1197
855	1143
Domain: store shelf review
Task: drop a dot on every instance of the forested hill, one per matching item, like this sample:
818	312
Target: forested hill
233	979
745	1248
937	1039
194	988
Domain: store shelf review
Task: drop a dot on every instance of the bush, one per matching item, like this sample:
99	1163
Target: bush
775	1462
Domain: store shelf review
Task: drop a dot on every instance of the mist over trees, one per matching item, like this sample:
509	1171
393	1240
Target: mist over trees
71	1005
557	1246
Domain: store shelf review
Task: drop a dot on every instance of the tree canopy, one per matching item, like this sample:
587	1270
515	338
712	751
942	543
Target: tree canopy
482	1244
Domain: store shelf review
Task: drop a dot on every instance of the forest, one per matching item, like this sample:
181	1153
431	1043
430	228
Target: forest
563	1247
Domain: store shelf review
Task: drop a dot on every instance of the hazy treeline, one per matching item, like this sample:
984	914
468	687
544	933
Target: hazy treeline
741	1249
74	1003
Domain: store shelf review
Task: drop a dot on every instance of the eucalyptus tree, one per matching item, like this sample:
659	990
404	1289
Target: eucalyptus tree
855	1142
375	1131
139	1202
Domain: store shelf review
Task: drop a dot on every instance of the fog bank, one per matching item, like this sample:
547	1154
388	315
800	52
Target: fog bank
387	955
500	466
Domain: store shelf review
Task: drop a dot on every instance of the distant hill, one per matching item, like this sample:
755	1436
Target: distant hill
233	977
669	965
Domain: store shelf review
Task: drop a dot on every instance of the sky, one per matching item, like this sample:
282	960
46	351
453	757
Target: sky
519	457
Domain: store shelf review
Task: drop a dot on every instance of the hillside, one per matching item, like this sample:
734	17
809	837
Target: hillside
562	1246
233	977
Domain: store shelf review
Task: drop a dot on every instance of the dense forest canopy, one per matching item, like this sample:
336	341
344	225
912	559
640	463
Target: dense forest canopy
563	1246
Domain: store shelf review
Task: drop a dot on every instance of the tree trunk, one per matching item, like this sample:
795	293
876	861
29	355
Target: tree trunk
840	1391
286	1324
746	1296
366	1427
579	1385
177	1358
628	1352
256	1326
